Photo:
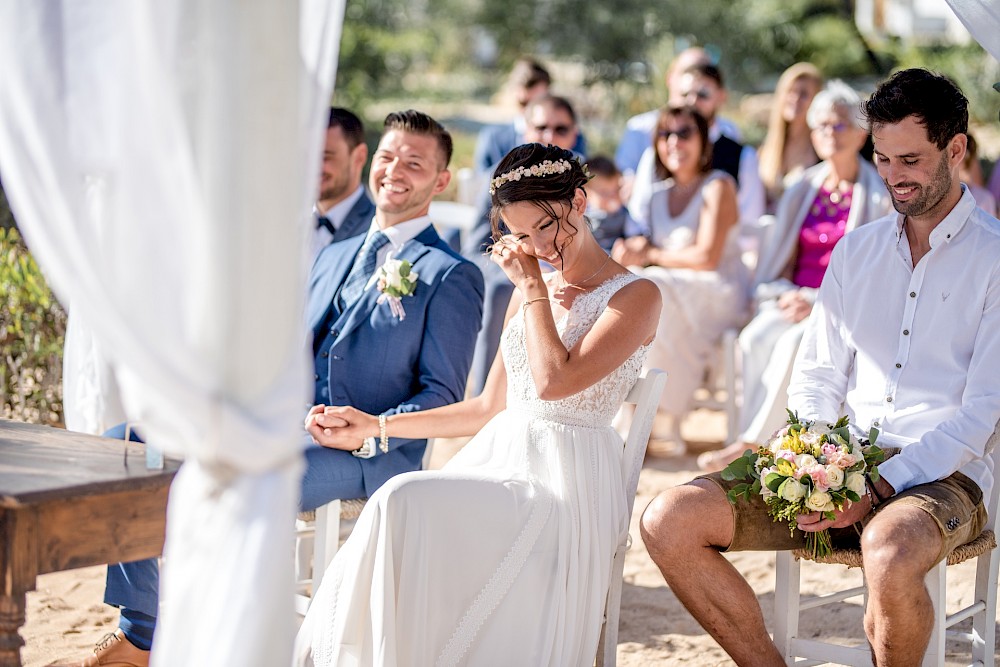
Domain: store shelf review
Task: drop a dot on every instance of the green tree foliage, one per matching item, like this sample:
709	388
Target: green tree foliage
32	329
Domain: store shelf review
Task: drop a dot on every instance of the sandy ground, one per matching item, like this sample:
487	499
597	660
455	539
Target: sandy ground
66	616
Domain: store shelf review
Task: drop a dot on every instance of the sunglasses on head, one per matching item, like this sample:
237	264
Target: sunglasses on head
683	133
561	130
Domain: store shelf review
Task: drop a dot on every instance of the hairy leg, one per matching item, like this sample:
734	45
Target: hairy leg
683	529
899	546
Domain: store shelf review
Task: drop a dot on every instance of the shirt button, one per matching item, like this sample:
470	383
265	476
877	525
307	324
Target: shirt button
875	423
913	294
888	399
899	365
906	332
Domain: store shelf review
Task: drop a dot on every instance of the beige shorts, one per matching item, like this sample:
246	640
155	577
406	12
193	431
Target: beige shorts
955	503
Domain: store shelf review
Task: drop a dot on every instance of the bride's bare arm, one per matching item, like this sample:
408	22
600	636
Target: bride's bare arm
343	427
628	322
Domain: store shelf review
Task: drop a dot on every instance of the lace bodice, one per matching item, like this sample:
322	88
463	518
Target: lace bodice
597	404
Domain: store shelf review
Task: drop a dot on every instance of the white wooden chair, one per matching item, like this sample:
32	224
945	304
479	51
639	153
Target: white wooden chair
645	394
317	539
721	389
798	650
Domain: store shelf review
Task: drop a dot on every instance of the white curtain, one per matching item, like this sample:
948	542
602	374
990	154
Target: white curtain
160	157
982	19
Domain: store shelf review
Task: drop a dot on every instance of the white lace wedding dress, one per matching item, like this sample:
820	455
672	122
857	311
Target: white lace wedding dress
503	557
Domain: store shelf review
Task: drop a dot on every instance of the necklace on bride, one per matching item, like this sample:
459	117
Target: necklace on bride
579	285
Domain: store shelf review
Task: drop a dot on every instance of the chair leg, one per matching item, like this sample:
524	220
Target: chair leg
607	648
786	602
936	582
984	623
327	539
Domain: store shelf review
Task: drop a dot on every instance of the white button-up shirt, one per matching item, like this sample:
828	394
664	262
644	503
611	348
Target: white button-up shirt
912	351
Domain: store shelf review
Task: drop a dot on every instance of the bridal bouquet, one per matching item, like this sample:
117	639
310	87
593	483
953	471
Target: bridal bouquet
807	467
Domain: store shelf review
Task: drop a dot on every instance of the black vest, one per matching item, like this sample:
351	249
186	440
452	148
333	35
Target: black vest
726	156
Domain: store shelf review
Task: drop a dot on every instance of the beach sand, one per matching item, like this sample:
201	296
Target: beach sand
66	616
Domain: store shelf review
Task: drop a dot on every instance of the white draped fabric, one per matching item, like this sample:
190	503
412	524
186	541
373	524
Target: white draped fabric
161	157
982	19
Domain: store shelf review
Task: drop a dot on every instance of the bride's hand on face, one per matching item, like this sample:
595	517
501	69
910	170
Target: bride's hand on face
340	427
513	256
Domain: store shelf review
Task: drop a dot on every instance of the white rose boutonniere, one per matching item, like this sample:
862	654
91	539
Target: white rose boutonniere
396	279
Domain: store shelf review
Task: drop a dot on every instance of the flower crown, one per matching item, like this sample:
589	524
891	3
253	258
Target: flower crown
544	168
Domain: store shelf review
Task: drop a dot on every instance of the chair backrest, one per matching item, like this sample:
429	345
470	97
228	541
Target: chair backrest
645	394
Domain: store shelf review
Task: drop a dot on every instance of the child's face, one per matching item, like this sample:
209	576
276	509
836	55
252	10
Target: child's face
604	193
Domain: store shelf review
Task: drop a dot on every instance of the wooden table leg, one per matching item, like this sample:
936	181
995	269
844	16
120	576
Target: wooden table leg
11	620
18	568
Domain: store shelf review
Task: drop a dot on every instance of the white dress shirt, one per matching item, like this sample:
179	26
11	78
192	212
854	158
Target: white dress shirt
912	351
321	236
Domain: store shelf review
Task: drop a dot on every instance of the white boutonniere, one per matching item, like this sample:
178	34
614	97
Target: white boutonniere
396	279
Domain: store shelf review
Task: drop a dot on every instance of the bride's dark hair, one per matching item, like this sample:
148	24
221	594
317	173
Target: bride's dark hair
544	191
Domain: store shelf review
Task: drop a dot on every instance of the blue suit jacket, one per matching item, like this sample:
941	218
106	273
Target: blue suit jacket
357	220
380	364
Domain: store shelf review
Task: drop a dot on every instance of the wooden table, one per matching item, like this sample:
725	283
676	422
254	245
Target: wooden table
69	500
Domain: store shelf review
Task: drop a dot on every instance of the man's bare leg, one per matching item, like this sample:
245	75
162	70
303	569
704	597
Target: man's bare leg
899	546
683	529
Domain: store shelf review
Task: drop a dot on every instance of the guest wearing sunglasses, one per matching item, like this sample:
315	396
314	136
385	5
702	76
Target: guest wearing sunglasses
691	255
701	86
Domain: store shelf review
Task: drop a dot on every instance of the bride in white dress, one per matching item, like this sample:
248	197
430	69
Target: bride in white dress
503	557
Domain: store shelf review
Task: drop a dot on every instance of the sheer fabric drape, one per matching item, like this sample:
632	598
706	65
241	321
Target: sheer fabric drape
160	157
982	19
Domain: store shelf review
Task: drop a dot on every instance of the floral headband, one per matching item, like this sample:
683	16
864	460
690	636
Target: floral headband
544	168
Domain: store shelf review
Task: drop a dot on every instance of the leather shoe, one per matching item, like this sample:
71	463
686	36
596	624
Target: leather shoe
112	651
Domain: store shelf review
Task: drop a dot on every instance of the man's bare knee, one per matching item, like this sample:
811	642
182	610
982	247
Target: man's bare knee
903	544
686	516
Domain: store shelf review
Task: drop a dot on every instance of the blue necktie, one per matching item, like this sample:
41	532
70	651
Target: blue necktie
361	272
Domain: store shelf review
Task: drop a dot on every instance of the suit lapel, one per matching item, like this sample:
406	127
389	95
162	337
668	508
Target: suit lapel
329	273
357	220
361	310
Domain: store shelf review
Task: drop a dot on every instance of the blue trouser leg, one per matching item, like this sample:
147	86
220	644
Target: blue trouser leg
331	474
134	586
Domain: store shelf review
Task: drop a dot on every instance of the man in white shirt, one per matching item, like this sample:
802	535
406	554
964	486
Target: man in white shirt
343	209
903	338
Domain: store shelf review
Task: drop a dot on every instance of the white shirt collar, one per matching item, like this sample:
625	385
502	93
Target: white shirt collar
403	232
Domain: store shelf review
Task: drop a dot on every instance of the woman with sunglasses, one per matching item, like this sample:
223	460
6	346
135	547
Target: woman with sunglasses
691	255
832	198
503	557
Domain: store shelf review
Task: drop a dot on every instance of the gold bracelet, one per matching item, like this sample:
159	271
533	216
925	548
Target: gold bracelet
524	306
383	439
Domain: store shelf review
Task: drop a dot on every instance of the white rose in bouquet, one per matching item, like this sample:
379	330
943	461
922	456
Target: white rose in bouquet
856	483
834	477
820	501
792	490
805	461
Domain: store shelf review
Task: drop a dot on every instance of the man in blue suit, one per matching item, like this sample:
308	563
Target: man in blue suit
368	353
343	209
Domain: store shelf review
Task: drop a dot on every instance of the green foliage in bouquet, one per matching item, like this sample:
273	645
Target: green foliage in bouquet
32	328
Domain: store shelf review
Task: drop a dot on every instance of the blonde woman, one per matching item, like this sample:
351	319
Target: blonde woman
787	149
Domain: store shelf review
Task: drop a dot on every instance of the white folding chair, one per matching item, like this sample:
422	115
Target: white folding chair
798	650
317	539
720	390
645	394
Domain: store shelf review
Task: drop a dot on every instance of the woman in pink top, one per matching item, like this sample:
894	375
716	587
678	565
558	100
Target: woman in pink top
838	194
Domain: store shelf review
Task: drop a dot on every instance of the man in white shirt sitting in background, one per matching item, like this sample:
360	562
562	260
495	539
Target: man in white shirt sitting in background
905	338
